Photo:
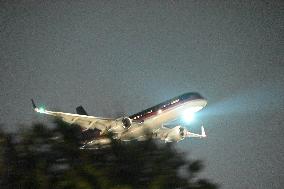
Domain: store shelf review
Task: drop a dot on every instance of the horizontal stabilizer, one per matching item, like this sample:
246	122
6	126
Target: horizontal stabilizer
81	111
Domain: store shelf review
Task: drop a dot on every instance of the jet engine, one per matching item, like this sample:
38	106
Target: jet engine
176	134
126	121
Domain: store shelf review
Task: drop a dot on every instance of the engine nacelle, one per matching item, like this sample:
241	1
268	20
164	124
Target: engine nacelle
176	134
126	122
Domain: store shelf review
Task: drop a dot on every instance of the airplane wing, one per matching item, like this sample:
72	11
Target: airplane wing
85	121
176	134
202	135
162	133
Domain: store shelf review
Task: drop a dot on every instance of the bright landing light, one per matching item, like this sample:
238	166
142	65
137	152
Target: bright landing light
188	116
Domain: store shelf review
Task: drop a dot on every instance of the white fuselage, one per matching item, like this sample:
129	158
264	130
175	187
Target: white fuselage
138	130
137	126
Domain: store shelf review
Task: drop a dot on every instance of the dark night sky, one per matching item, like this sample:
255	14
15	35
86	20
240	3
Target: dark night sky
124	56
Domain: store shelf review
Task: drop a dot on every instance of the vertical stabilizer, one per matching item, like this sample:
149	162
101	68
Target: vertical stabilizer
81	111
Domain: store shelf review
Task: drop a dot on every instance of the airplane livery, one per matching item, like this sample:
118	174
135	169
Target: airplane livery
139	125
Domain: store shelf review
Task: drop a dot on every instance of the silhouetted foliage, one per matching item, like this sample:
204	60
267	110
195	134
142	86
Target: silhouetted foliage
51	158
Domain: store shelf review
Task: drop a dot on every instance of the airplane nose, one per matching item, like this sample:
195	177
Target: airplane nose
203	102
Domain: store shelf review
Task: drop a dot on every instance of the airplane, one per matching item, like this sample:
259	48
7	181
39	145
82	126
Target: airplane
138	126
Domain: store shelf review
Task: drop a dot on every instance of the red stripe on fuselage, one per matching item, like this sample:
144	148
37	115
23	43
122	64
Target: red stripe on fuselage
167	108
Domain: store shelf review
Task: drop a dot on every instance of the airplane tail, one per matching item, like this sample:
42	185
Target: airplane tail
81	111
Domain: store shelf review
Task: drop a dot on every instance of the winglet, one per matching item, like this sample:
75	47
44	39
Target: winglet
33	103
40	110
81	111
203	134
